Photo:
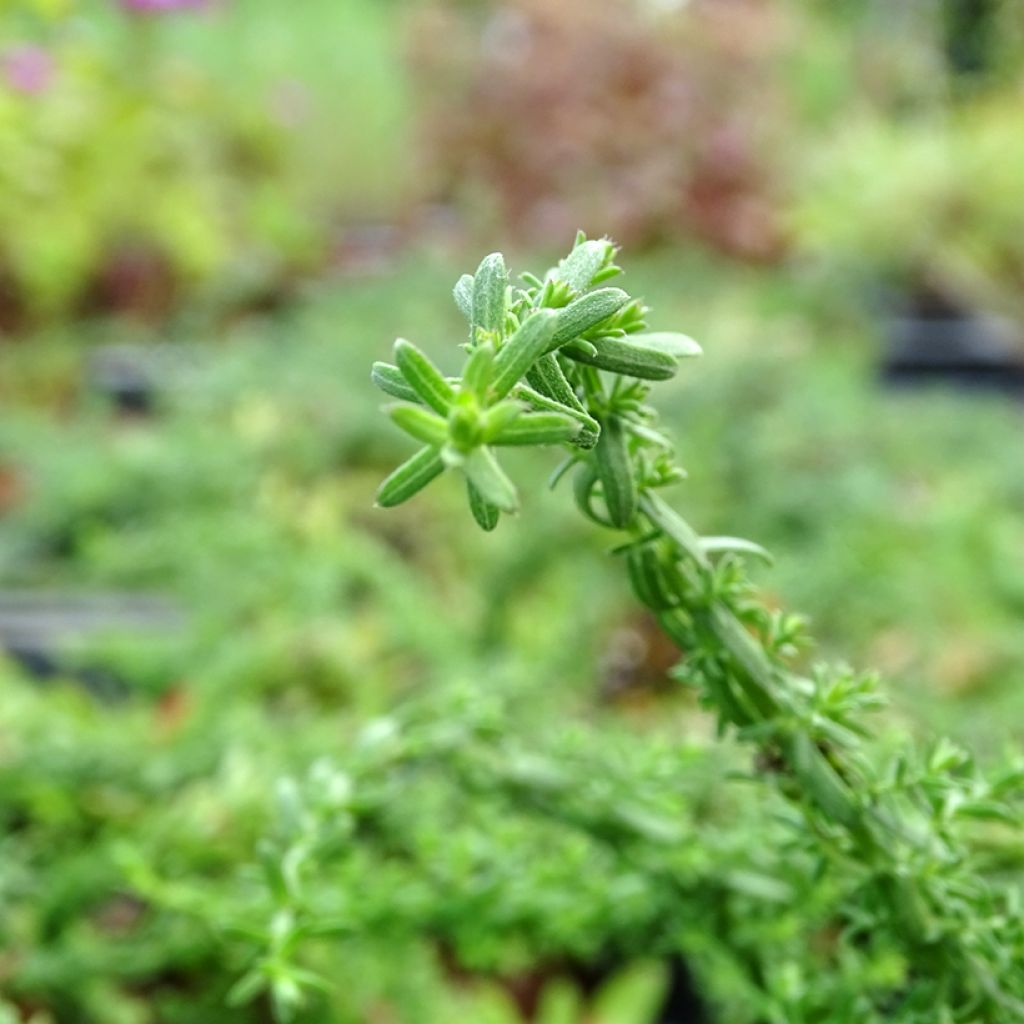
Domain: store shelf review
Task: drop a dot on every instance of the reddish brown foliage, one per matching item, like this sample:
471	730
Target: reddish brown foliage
613	117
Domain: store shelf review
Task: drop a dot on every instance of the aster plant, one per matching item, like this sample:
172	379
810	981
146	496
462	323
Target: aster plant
916	841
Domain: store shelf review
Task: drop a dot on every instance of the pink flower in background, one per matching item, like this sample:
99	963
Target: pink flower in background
28	69
156	6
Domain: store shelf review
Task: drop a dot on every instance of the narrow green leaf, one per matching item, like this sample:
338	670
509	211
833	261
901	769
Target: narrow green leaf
649	826
615	471
585	312
764	888
737	545
635	543
310	979
463	292
391	381
479	370
639	579
819	778
285	996
420	423
411	476
648	434
483	471
484	512
753	669
498	418
490	283
990	810
681	346
579	267
583	482
537	428
522	350
546	376
605	274
586	438
424	377
250	985
648	578
622	356
672	524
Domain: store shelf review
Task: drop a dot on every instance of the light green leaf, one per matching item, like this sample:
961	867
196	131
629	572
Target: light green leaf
411	476
479	370
392	382
483	471
463	292
737	545
522	350
424	377
615	471
490	283
624	357
539	428
420	423
682	346
585	312
498	418
485	514
579	267
591	429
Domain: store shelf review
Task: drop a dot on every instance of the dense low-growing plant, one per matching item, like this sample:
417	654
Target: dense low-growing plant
916	843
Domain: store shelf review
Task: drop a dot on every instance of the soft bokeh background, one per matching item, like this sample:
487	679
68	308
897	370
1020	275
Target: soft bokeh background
214	216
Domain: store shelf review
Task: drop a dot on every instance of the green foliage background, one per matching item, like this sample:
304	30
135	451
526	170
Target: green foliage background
460	714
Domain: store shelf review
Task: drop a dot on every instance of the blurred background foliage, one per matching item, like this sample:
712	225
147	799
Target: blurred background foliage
213	217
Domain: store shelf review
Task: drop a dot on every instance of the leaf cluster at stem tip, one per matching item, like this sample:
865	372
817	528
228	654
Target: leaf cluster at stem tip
532	377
